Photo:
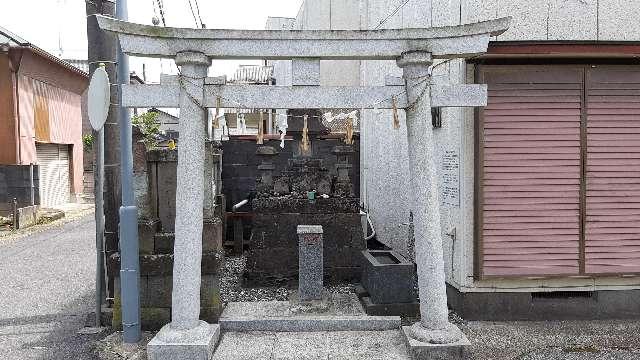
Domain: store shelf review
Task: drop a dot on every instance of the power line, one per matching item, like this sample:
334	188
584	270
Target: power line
395	11
161	8
155	12
202	25
193	14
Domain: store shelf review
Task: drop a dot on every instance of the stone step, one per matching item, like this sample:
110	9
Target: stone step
311	324
343	313
387	345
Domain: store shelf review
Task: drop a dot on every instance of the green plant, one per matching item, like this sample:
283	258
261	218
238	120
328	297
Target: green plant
149	126
87	142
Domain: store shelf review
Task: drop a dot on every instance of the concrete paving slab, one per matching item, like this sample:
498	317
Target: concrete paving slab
343	313
359	345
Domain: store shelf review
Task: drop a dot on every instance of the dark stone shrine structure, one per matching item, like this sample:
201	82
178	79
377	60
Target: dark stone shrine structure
306	193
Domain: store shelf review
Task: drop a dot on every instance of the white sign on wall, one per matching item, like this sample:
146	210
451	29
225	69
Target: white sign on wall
450	181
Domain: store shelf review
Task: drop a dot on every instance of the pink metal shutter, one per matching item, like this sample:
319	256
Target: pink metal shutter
612	242
531	170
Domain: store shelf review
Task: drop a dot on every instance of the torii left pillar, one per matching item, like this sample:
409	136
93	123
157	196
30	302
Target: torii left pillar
434	331
187	337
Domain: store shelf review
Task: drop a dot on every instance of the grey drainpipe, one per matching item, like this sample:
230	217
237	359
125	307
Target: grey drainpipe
17	106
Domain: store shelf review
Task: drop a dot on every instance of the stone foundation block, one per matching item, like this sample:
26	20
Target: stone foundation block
151	318
211	239
162	264
27	216
164	243
156	298
210	293
426	351
146	235
393	309
154	318
157	292
194	344
211	314
212	235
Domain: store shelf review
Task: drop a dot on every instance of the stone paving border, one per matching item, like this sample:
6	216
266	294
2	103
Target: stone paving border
313	324
70	216
355	345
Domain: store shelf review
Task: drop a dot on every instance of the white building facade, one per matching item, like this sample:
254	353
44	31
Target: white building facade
544	215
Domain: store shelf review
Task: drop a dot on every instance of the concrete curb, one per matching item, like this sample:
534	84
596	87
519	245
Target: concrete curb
312	324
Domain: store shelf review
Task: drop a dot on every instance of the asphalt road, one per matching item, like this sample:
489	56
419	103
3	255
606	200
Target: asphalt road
46	291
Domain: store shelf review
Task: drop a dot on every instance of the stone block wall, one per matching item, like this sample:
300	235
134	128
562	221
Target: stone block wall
155	190
156	284
273	256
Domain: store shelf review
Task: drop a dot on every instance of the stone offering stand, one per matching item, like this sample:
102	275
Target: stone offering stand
414	50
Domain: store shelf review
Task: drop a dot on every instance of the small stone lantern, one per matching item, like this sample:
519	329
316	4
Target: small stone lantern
343	168
267	155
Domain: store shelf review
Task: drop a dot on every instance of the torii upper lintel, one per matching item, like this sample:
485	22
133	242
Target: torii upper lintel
386	44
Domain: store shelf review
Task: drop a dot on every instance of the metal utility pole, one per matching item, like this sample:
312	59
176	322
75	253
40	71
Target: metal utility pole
98	104
129	248
98	175
101	49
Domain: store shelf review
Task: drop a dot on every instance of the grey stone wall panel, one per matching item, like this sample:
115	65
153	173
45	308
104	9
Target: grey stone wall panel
618	20
573	20
160	265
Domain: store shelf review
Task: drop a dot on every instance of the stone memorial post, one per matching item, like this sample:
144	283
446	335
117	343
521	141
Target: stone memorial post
434	326
187	337
311	264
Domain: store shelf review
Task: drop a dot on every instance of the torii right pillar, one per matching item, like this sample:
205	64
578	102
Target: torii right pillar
434	336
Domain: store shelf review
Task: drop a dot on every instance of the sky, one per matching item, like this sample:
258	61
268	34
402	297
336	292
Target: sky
56	25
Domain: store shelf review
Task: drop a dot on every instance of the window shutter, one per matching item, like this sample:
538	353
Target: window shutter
531	171
612	243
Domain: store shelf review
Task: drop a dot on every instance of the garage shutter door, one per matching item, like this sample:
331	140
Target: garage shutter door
531	171
612	243
54	174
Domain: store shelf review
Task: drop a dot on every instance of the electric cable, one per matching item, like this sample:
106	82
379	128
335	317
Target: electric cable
193	14
161	8
202	25
395	11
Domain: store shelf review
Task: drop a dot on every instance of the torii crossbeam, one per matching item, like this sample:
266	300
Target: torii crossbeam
193	49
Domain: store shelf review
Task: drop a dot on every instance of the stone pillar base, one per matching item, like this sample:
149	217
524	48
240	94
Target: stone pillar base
298	306
194	344
425	350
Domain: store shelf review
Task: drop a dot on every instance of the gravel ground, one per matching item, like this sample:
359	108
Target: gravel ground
112	348
554	340
231	289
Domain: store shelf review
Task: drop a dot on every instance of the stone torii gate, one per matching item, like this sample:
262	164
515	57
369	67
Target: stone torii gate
414	50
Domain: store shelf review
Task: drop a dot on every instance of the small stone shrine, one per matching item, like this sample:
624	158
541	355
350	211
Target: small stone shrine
305	193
